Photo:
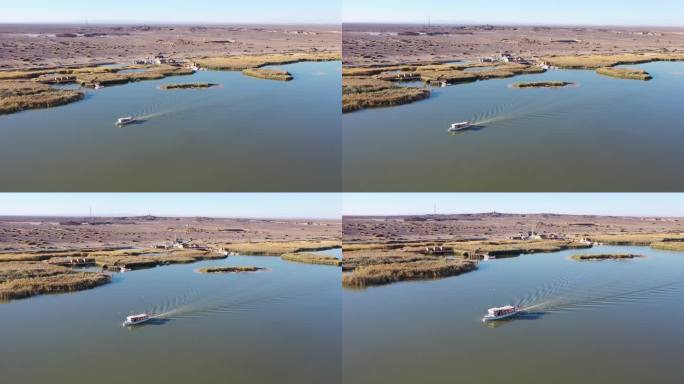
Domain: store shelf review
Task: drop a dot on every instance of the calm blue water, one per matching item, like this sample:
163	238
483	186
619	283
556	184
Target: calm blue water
246	135
604	135
281	325
599	322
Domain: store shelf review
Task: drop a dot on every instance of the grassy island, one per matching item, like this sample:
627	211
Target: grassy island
310	258
25	279
380	274
19	95
625	73
187	86
242	62
543	84
268	74
599	257
277	248
230	269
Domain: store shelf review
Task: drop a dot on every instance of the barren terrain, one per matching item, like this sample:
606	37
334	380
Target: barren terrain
372	44
498	226
43	46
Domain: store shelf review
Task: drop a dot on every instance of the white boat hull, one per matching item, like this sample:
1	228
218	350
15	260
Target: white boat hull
488	318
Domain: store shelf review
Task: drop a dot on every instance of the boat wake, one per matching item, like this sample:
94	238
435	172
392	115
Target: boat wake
565	295
197	304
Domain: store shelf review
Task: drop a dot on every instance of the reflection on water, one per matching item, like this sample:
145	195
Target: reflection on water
246	135
542	139
593	315
282	325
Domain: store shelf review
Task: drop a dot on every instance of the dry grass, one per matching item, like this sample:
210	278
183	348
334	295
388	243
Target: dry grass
598	61
20	95
239	63
24	279
281	247
268	74
240	269
513	247
367	257
90	78
310	258
668	245
625	73
371	71
600	257
418	270
150	259
364	84
634	238
383	98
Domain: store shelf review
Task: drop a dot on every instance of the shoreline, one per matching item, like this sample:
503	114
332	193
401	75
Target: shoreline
366	86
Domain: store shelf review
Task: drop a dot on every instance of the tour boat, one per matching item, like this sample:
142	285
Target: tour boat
494	314
462	126
124	269
125	120
136	319
98	86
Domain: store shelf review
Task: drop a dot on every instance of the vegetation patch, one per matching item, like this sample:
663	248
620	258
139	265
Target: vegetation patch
20	95
419	270
543	84
187	86
116	260
25	279
280	247
383	98
625	73
600	257
239	63
310	258
598	61
268	74
668	245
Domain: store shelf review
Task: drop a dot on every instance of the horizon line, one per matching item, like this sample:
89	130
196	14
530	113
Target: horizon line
511	23
513	213
2	215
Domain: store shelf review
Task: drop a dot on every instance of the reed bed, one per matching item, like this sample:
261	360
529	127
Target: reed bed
543	84
600	257
280	247
310	258
598	61
268	74
625	73
187	86
24	279
419	270
239	63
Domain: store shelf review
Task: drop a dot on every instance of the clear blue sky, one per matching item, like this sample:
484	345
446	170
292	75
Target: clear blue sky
597	12
636	204
160	11
269	205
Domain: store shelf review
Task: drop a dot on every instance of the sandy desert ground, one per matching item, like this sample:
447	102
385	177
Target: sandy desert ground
498	226
53	233
41	46
366	44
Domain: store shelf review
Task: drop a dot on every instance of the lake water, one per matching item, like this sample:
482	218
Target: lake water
593	322
282	325
246	135
605	134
